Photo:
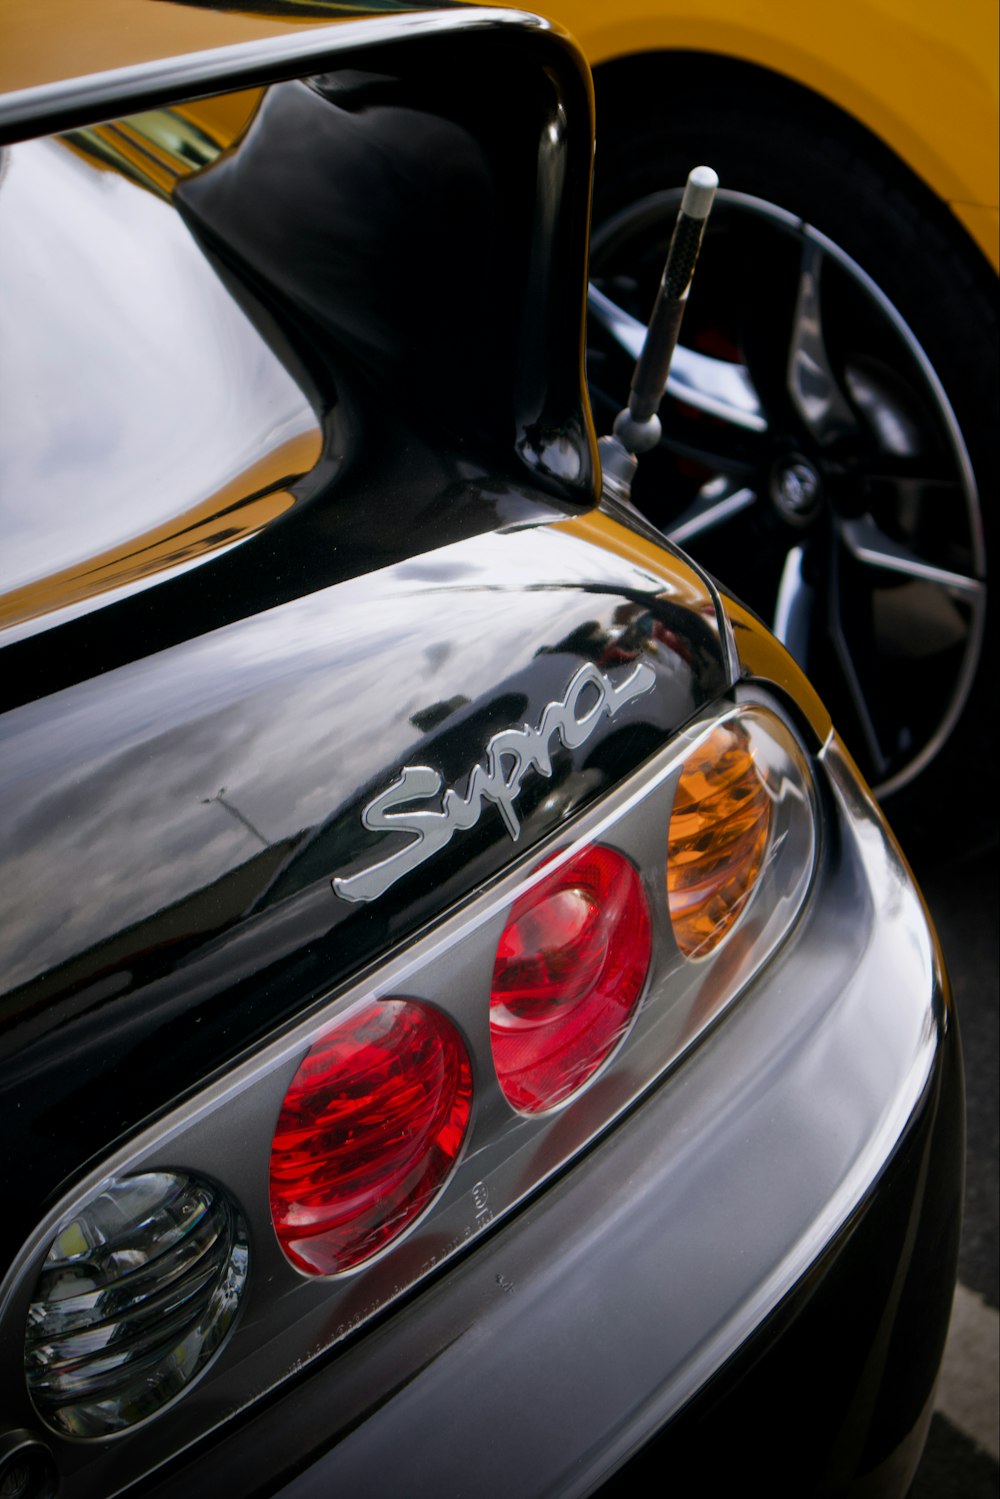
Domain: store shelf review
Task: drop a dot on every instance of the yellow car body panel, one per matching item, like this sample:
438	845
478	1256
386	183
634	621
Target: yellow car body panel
921	76
48	41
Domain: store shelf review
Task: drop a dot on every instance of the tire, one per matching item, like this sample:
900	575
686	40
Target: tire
851	517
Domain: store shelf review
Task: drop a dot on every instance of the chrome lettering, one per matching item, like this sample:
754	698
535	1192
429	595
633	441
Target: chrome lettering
509	756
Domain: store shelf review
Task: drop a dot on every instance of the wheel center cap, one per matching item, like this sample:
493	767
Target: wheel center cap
796	489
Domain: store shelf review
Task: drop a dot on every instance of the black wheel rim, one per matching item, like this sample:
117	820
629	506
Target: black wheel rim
811	460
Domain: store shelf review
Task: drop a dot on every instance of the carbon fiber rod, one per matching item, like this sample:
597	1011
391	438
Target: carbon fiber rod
650	378
637	427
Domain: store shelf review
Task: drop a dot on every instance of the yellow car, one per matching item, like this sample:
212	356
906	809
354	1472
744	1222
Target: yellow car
831	454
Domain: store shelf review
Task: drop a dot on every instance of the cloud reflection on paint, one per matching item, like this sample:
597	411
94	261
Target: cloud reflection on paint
117	419
121	816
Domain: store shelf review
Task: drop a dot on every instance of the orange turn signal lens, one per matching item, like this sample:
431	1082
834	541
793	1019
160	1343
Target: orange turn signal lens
718	839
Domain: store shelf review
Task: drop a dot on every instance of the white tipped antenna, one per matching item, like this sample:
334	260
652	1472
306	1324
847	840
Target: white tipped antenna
637	427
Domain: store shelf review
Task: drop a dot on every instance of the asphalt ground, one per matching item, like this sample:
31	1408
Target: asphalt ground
961	1457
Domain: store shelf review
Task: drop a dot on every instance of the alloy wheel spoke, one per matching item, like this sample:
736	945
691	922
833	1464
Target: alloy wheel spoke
795	607
860	705
708	512
892	469
859	702
872	547
715	386
812	385
714	451
893	422
878	760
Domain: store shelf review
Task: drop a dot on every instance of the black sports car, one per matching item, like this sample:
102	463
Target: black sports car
466	1027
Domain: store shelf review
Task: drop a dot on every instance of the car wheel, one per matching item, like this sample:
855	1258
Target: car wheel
825	448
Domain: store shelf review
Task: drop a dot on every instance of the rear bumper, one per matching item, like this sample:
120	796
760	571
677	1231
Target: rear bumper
752	1272
834	1394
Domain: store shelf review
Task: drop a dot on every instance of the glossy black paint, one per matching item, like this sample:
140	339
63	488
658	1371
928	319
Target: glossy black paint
188	749
815	1392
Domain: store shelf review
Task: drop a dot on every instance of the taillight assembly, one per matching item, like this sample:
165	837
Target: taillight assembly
569	971
357	1153
368	1133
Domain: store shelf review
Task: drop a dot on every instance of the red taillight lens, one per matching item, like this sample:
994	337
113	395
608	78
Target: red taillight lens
569	970
368	1133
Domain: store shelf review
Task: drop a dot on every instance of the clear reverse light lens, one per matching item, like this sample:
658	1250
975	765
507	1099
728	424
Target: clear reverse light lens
136	1294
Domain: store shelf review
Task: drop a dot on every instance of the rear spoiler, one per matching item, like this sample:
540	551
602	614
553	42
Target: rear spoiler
63	103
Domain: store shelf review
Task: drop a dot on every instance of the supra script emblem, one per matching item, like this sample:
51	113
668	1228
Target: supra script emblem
509	756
